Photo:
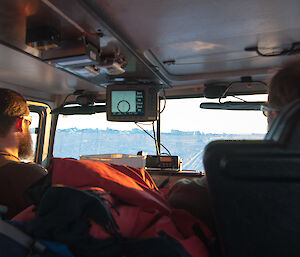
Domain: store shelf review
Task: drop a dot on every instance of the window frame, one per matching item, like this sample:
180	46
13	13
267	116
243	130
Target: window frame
43	110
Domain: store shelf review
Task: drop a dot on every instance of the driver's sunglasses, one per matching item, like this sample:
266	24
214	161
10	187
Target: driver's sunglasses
28	118
266	109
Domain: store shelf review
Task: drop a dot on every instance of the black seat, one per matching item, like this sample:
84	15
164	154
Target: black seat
255	188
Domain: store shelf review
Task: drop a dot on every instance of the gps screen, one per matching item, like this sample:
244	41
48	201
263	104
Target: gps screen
127	102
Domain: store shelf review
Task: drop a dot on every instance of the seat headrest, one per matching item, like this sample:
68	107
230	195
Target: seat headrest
285	129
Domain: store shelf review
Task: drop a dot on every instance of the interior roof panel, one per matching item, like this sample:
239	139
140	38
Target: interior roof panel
191	66
167	42
156	23
209	36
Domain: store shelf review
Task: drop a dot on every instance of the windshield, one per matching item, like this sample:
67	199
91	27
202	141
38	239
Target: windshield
185	130
192	128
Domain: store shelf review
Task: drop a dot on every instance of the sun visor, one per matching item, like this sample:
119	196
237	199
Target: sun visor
250	106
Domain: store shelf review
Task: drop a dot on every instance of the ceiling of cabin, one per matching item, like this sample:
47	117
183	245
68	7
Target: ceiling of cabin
181	45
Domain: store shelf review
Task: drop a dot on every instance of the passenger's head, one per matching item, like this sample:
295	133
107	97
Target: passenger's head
13	112
284	88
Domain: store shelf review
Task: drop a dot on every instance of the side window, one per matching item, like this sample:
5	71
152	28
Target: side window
40	132
34	129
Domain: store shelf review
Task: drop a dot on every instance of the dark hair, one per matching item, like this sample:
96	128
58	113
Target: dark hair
12	106
285	85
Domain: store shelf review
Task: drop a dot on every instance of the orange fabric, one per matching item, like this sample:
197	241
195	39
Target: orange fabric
142	210
111	178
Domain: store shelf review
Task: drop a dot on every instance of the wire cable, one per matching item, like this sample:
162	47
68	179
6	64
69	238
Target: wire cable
239	98
152	137
236	82
165	100
64	102
144	130
155	139
145	123
225	92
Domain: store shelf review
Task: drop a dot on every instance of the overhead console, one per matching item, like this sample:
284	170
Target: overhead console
133	103
79	41
92	62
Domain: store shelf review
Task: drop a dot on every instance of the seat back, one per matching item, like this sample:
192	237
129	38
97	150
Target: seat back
255	189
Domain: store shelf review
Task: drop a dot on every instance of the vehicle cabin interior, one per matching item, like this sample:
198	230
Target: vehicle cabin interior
67	58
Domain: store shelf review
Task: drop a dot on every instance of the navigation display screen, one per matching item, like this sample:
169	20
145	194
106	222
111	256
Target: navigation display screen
127	102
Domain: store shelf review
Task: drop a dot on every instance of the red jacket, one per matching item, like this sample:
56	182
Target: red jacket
142	209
